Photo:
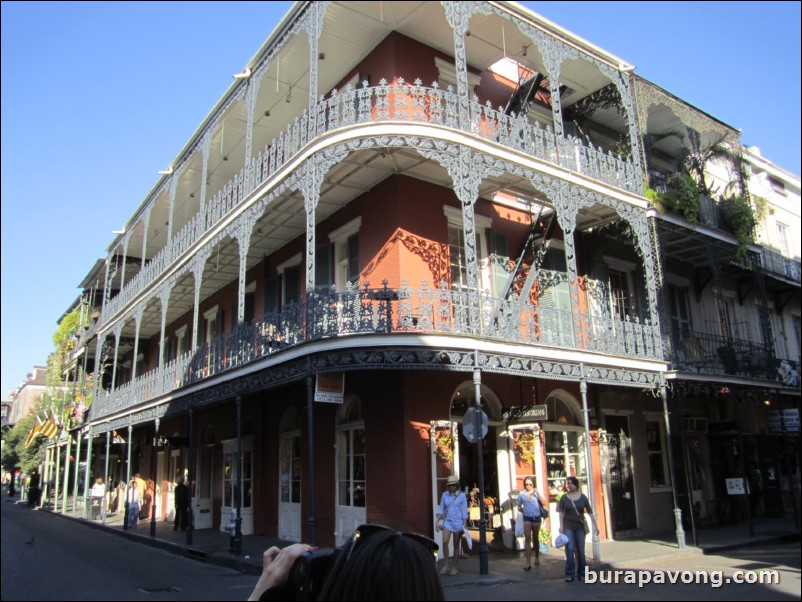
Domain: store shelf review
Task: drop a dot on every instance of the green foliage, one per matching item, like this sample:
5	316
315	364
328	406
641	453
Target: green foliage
738	215
15	455
680	198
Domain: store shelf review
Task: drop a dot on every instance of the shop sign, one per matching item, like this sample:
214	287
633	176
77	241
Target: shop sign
735	487
330	387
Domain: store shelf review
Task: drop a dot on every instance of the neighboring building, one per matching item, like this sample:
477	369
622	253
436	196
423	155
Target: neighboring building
384	198
25	398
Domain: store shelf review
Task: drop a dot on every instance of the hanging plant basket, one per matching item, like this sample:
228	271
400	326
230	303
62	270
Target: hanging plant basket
525	446
445	445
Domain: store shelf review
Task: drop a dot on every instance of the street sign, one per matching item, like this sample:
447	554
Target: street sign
469	425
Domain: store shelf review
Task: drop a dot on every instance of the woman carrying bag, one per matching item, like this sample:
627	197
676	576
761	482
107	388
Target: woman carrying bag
573	506
532	513
454	515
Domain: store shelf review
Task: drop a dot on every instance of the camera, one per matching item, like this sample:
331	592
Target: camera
308	573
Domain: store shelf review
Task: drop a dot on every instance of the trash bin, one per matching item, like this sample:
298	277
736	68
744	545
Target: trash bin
95	508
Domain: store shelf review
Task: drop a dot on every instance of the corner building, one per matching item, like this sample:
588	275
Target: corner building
420	201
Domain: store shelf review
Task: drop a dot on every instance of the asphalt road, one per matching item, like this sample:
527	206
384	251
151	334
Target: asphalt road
46	557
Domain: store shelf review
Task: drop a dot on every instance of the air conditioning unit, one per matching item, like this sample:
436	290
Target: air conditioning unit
693	424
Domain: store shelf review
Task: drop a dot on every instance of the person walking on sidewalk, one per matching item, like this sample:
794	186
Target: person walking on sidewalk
181	504
133	498
573	506
530	505
452	520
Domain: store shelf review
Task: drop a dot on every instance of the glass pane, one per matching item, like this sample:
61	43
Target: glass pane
296	492
246	494
246	465
285	465
228	494
342	497
359	468
359	494
359	441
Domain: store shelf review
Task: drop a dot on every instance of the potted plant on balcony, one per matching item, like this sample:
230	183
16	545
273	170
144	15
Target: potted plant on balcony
737	213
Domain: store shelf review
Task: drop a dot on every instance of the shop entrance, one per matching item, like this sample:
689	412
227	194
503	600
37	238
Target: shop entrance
466	461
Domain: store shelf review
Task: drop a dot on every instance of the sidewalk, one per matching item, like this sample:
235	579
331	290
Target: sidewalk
213	546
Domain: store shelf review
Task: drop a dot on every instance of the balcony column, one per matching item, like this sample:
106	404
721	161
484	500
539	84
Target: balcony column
117	332
105	477
314	29
250	101
77	473
125	255
644	227
66	477
170	216
552	59
87	484
137	323
310	188
583	389
198	263
162	296
243	234
566	217
680	532
100	354
145	235
458	15
206	145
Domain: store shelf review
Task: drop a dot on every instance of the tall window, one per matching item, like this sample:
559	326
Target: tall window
351	457
680	316
658	462
345	241
230	477
290	458
621	295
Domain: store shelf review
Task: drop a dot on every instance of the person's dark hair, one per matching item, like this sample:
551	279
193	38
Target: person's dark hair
386	565
574	481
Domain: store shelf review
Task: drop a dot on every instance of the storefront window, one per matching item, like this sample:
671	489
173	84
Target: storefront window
657	458
565	457
351	459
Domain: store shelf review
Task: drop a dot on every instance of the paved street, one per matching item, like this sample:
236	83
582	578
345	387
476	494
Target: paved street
46	556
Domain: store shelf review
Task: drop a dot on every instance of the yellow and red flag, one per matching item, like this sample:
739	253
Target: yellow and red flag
50	427
34	431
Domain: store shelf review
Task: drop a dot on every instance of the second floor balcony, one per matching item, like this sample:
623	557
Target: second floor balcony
391	312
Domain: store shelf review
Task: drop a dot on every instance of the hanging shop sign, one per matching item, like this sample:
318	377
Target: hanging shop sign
535	413
330	387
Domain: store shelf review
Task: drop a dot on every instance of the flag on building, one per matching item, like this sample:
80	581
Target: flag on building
50	427
34	432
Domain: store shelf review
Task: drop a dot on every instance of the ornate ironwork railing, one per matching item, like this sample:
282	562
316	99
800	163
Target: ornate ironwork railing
775	263
387	102
387	311
715	354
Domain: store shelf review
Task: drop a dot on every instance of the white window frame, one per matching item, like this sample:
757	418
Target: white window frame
482	225
210	315
339	238
658	418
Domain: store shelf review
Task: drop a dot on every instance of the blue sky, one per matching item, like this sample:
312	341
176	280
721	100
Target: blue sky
97	97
